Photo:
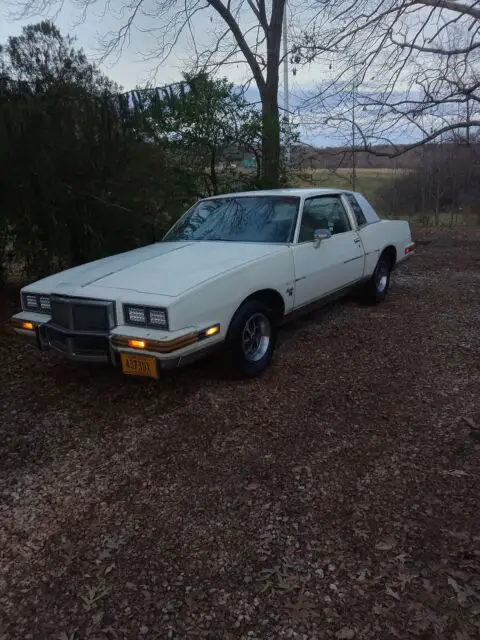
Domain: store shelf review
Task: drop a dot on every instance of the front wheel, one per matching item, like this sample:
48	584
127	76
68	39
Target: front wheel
251	338
377	287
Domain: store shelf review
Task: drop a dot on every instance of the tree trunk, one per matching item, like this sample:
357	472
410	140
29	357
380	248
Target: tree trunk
213	171
269	97
270	136
268	86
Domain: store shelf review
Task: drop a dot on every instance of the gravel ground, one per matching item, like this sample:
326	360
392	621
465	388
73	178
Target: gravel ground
336	497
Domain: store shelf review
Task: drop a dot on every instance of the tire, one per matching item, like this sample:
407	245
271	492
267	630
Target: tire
377	287
251	339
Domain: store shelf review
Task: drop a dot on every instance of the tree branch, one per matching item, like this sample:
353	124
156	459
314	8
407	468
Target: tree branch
451	5
225	13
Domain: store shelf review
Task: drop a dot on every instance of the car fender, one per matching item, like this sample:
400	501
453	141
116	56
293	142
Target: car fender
217	300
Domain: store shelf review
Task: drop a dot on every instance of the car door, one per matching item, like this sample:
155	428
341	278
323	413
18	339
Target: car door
334	263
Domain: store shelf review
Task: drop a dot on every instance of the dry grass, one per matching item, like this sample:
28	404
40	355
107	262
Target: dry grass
336	497
360	171
368	181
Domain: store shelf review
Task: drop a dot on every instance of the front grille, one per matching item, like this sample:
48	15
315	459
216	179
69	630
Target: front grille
91	346
58	340
60	313
90	318
78	345
75	314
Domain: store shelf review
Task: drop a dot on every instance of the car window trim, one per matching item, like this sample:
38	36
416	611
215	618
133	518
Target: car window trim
352	195
323	195
291	234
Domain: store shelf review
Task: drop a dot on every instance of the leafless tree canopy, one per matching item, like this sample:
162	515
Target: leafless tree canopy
395	71
399	69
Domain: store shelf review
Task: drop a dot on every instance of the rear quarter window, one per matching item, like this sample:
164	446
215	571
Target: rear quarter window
357	209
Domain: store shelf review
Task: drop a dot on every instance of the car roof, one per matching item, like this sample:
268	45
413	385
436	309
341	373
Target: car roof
301	193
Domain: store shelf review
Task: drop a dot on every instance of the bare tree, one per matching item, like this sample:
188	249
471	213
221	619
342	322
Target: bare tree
257	44
414	64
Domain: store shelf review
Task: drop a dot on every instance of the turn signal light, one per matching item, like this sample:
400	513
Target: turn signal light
211	331
137	344
27	326
409	249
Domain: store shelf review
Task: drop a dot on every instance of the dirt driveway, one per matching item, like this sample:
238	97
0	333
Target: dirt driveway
337	497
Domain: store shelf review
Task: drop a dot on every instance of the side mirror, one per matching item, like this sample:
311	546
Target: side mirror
319	235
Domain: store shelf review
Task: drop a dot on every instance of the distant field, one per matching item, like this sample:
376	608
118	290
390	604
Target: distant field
382	172
371	182
368	181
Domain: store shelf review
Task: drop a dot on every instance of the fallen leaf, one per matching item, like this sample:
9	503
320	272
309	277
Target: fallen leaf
471	422
459	591
97	618
303	607
427	585
379	610
402	557
362	576
405	578
392	593
456	473
463	536
386	545
459	575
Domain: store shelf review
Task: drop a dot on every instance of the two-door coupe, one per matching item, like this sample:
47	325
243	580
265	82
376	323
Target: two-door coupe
228	272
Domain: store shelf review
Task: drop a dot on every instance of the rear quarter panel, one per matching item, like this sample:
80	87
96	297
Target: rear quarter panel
378	236
217	300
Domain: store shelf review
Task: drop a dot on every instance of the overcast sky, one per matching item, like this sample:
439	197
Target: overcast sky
137	65
132	69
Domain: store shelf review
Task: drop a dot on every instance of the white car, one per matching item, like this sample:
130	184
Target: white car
230	270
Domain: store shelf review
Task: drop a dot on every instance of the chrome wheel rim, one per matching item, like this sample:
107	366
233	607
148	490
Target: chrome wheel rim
256	336
382	277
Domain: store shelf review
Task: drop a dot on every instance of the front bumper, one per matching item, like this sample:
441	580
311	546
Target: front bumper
172	350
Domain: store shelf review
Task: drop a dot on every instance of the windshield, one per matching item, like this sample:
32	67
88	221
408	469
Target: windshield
243	219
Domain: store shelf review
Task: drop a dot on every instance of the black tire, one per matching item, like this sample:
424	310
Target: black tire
377	287
252	313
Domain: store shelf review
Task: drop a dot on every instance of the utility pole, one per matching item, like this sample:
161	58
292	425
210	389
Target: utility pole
285	79
354	158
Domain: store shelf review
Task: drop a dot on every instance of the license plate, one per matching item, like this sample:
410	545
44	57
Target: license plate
139	365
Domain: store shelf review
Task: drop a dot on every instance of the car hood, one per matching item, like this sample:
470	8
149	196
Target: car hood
164	268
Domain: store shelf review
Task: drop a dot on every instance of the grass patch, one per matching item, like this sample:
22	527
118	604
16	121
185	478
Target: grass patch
368	181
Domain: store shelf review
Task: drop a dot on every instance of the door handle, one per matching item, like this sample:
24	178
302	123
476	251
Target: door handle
357	240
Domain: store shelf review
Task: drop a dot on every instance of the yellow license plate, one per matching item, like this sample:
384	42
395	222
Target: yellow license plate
139	365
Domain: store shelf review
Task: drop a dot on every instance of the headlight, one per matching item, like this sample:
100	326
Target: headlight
39	303
145	316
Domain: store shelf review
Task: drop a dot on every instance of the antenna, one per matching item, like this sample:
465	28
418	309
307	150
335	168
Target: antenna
354	158
285	76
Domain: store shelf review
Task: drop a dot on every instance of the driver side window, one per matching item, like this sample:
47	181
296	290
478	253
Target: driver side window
323	212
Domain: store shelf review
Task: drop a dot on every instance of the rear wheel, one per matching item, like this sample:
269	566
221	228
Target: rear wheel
377	287
251	338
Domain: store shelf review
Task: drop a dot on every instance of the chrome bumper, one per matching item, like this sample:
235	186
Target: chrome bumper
105	348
